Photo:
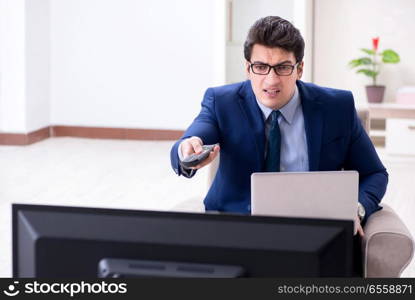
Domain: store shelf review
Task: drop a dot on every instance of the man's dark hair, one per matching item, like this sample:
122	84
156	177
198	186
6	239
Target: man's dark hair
274	32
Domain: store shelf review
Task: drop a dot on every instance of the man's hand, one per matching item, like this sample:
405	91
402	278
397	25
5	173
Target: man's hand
194	145
358	227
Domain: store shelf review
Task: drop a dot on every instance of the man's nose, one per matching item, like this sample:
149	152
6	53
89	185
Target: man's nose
272	76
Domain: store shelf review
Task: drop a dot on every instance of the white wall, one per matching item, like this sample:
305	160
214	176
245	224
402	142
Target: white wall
12	66
303	19
37	64
24	65
117	63
342	27
128	63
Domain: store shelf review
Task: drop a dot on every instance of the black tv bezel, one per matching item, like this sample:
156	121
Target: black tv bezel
347	224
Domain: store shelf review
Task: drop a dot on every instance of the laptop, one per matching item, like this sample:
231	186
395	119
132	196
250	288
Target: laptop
321	195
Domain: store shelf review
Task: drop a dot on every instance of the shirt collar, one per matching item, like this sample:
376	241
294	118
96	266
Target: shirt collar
287	111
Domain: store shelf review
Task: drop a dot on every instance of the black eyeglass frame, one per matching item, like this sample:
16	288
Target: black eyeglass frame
274	67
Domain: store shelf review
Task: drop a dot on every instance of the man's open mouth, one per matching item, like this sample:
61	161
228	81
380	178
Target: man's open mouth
271	91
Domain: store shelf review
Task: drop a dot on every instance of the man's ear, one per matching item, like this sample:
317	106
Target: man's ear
300	69
247	68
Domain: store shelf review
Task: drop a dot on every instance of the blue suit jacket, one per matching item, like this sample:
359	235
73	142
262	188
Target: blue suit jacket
335	138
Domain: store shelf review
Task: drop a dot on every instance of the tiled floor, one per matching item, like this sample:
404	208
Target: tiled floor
130	174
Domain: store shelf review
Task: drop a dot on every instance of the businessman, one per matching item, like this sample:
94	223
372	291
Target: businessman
275	122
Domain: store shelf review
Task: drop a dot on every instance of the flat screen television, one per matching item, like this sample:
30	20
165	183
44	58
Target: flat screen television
75	242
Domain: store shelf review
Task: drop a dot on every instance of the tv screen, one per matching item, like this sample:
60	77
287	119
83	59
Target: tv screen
74	242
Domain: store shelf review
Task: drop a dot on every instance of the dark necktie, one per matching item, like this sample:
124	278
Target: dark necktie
272	161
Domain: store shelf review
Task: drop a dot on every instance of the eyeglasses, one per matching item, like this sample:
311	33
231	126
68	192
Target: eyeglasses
280	69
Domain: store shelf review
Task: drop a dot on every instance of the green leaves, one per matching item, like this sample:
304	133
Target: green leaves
369	65
366	62
368	72
390	57
360	62
368	51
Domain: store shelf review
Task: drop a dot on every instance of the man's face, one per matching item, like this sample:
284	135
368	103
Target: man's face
272	90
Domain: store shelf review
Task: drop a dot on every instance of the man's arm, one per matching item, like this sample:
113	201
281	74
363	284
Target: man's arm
203	130
373	177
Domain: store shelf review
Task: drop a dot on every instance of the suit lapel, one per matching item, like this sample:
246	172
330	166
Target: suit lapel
255	119
313	122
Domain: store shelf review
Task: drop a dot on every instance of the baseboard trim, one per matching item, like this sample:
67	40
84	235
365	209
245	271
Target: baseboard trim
22	139
116	133
89	132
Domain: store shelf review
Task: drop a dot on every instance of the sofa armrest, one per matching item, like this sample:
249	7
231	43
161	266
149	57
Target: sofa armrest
387	246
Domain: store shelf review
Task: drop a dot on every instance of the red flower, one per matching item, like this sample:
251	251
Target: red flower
375	42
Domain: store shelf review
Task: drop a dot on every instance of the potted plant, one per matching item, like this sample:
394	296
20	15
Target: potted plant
369	65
